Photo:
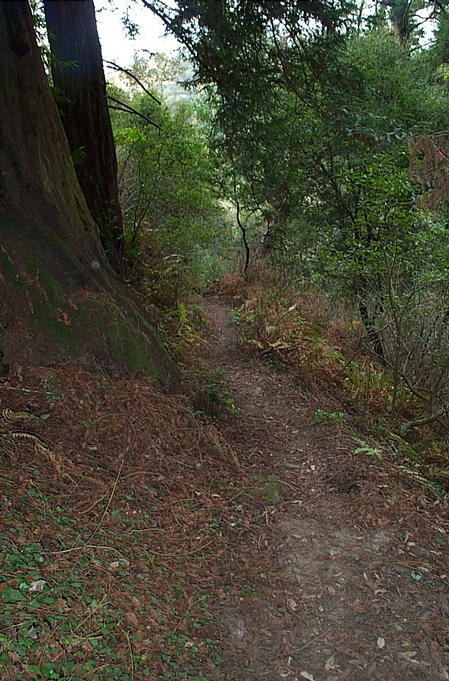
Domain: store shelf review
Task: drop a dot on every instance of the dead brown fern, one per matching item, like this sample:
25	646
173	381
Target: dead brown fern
9	435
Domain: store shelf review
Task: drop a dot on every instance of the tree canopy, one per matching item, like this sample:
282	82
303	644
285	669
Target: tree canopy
313	135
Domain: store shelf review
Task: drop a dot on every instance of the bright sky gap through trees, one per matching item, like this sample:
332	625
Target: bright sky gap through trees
117	45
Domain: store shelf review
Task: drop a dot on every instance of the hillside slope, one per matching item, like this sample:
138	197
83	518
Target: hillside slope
144	541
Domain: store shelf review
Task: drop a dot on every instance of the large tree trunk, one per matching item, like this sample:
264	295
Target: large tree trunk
78	76
59	299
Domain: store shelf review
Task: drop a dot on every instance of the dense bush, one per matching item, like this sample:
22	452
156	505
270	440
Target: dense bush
177	229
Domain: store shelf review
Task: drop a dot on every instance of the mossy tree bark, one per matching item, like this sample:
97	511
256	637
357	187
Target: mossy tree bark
78	76
59	298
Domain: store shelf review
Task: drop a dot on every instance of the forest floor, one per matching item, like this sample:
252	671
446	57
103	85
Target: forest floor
140	541
359	557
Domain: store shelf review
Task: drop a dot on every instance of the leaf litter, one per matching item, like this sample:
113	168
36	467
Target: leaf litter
137	521
171	547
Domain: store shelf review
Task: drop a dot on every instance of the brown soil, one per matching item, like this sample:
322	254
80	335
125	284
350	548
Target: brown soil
259	537
358	571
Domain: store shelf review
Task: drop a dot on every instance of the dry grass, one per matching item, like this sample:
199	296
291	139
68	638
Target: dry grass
327	352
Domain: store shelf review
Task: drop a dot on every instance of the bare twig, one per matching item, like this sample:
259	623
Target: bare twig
133	76
298	650
91	546
103	515
27	390
422	421
127	108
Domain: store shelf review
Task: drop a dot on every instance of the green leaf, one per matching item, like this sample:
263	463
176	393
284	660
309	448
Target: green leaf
50	670
10	595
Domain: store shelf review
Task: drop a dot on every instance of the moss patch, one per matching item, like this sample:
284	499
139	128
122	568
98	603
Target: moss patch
114	335
94	327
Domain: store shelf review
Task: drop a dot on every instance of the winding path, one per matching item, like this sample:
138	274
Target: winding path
359	583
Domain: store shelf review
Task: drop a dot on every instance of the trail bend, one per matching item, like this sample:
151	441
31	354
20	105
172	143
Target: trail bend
358	587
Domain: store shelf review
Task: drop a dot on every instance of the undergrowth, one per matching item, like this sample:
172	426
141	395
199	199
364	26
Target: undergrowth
213	396
129	522
326	351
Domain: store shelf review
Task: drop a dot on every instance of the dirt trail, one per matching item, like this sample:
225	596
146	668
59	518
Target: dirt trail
358	587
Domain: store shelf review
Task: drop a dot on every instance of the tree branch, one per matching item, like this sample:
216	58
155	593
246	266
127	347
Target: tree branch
131	75
126	108
422	421
241	226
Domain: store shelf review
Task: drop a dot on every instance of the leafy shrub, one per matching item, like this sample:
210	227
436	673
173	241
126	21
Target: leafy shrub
176	227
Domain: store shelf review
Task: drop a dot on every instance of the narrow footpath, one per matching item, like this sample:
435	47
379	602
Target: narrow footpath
358	586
